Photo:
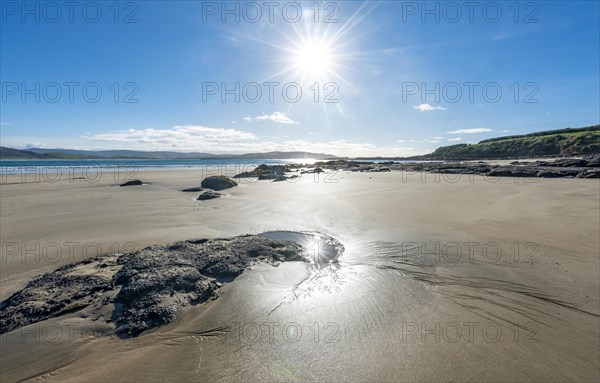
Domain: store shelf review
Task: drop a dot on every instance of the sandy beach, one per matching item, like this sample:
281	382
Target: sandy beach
446	279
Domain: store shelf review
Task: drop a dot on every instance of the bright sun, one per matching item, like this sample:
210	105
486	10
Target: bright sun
313	59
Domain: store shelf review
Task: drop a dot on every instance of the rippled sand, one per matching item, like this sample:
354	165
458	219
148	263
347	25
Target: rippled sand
462	280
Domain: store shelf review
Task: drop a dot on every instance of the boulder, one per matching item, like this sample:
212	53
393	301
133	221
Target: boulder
525	172
594	162
591	173
569	163
193	190
208	195
502	172
267	176
315	170
551	174
218	183
132	183
246	175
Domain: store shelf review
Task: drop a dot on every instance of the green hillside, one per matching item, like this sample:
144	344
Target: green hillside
563	142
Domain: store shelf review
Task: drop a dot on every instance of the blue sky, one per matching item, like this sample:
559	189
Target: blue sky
399	78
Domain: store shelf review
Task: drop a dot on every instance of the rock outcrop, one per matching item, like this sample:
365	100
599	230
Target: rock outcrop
145	288
587	167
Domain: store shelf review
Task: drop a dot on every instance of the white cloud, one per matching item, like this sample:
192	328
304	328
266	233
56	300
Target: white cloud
183	136
400	141
276	117
33	145
194	138
438	138
471	131
218	142
455	139
428	108
312	133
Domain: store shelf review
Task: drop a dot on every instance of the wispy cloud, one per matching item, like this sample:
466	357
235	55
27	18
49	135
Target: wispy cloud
457	139
211	140
502	36
183	136
471	131
276	117
428	108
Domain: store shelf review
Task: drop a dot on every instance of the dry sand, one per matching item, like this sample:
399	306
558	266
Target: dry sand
382	314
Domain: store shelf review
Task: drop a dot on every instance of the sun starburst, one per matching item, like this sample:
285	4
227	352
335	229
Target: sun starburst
313	58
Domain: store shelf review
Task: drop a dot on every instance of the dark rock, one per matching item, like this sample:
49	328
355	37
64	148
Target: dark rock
267	176
551	174
594	162
147	287
246	175
193	190
568	162
591	173
218	183
525	172
502	172
265	172
273	169
208	195
50	295
311	171
132	183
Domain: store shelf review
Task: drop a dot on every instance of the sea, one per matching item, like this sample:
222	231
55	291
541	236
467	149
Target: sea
35	166
123	169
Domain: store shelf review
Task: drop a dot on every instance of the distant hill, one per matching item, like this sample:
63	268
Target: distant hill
120	154
562	142
20	154
285	155
48	154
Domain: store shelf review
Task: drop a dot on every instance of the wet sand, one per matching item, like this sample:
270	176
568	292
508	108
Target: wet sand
507	290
